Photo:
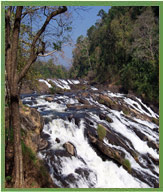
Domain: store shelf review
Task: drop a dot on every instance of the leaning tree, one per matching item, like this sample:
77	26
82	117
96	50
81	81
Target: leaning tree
33	30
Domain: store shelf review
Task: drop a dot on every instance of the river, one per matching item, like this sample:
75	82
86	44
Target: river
73	117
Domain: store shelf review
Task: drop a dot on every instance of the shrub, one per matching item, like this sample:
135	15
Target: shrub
101	131
8	178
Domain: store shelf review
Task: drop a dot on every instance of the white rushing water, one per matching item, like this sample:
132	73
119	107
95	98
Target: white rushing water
99	173
106	173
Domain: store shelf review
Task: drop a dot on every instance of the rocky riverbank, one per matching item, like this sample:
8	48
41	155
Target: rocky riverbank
35	171
86	126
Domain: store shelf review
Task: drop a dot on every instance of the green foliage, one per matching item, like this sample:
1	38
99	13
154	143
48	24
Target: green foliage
54	90
28	152
49	70
23	133
101	131
126	163
8	178
57	46
9	134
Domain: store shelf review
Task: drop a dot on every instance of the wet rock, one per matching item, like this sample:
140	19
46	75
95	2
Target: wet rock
49	99
70	117
45	136
156	121
156	130
105	117
85	94
69	148
57	140
87	175
83	101
43	144
78	107
153	145
106	150
105	100
92	138
154	160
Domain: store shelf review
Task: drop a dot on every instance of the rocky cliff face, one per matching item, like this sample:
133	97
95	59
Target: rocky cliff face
35	171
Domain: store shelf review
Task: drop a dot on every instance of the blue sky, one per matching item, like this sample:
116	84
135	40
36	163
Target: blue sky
81	22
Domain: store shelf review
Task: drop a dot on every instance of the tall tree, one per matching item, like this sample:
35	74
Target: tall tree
13	18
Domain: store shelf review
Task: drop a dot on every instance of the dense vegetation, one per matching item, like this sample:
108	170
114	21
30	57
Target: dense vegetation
47	69
122	48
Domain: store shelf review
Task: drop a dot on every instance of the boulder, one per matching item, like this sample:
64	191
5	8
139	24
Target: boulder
106	150
69	148
57	140
83	101
49	99
153	145
105	100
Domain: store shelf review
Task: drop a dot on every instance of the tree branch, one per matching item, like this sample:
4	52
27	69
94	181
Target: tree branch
34	55
29	11
53	14
51	52
47	54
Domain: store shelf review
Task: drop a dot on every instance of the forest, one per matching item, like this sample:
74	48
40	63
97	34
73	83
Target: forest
122	48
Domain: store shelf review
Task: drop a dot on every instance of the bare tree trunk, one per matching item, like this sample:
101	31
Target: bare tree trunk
18	162
11	66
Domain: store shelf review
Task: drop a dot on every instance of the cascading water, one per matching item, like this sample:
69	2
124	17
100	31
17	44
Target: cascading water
87	167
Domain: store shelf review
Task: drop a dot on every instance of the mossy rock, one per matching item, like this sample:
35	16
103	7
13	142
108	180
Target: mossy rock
127	165
125	111
54	90
101	131
156	121
105	101
135	156
108	119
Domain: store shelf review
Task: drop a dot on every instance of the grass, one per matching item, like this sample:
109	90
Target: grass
9	134
28	152
101	131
